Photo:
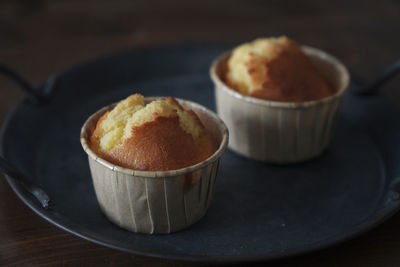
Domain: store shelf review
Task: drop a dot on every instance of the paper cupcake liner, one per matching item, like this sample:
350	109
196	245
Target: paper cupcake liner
280	132
153	205
161	201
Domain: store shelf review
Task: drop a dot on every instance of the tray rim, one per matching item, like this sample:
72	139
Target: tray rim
48	215
372	221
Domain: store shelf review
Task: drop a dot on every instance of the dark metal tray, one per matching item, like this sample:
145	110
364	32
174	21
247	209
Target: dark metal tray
259	212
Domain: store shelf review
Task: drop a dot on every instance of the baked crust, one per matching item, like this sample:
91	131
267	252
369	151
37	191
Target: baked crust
159	144
275	69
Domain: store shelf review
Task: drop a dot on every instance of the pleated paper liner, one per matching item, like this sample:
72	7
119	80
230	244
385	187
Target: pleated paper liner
156	202
280	132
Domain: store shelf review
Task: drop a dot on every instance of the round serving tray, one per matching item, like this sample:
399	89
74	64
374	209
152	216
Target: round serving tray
260	211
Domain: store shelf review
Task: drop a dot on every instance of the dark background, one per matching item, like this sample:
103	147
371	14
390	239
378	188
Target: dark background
39	37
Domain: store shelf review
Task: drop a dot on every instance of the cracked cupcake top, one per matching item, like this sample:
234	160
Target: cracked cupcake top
275	69
161	135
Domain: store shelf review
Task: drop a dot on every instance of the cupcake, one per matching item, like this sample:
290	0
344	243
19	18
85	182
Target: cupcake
279	99
154	163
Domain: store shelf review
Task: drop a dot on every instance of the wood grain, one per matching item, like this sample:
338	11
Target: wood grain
41	37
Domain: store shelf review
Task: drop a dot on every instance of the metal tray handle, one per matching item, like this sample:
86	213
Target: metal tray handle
39	96
25	182
387	74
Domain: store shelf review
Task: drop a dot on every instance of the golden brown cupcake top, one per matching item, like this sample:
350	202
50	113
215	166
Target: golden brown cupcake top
275	69
159	136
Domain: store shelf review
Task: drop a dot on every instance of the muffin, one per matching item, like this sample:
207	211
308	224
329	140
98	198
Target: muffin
159	136
275	69
279	99
154	166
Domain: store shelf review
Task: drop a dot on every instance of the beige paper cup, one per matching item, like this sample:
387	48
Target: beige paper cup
156	201
280	132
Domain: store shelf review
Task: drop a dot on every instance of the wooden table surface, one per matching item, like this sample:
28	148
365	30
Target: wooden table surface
40	37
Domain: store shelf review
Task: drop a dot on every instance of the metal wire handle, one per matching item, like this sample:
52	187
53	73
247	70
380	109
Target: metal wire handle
388	73
40	96
29	186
